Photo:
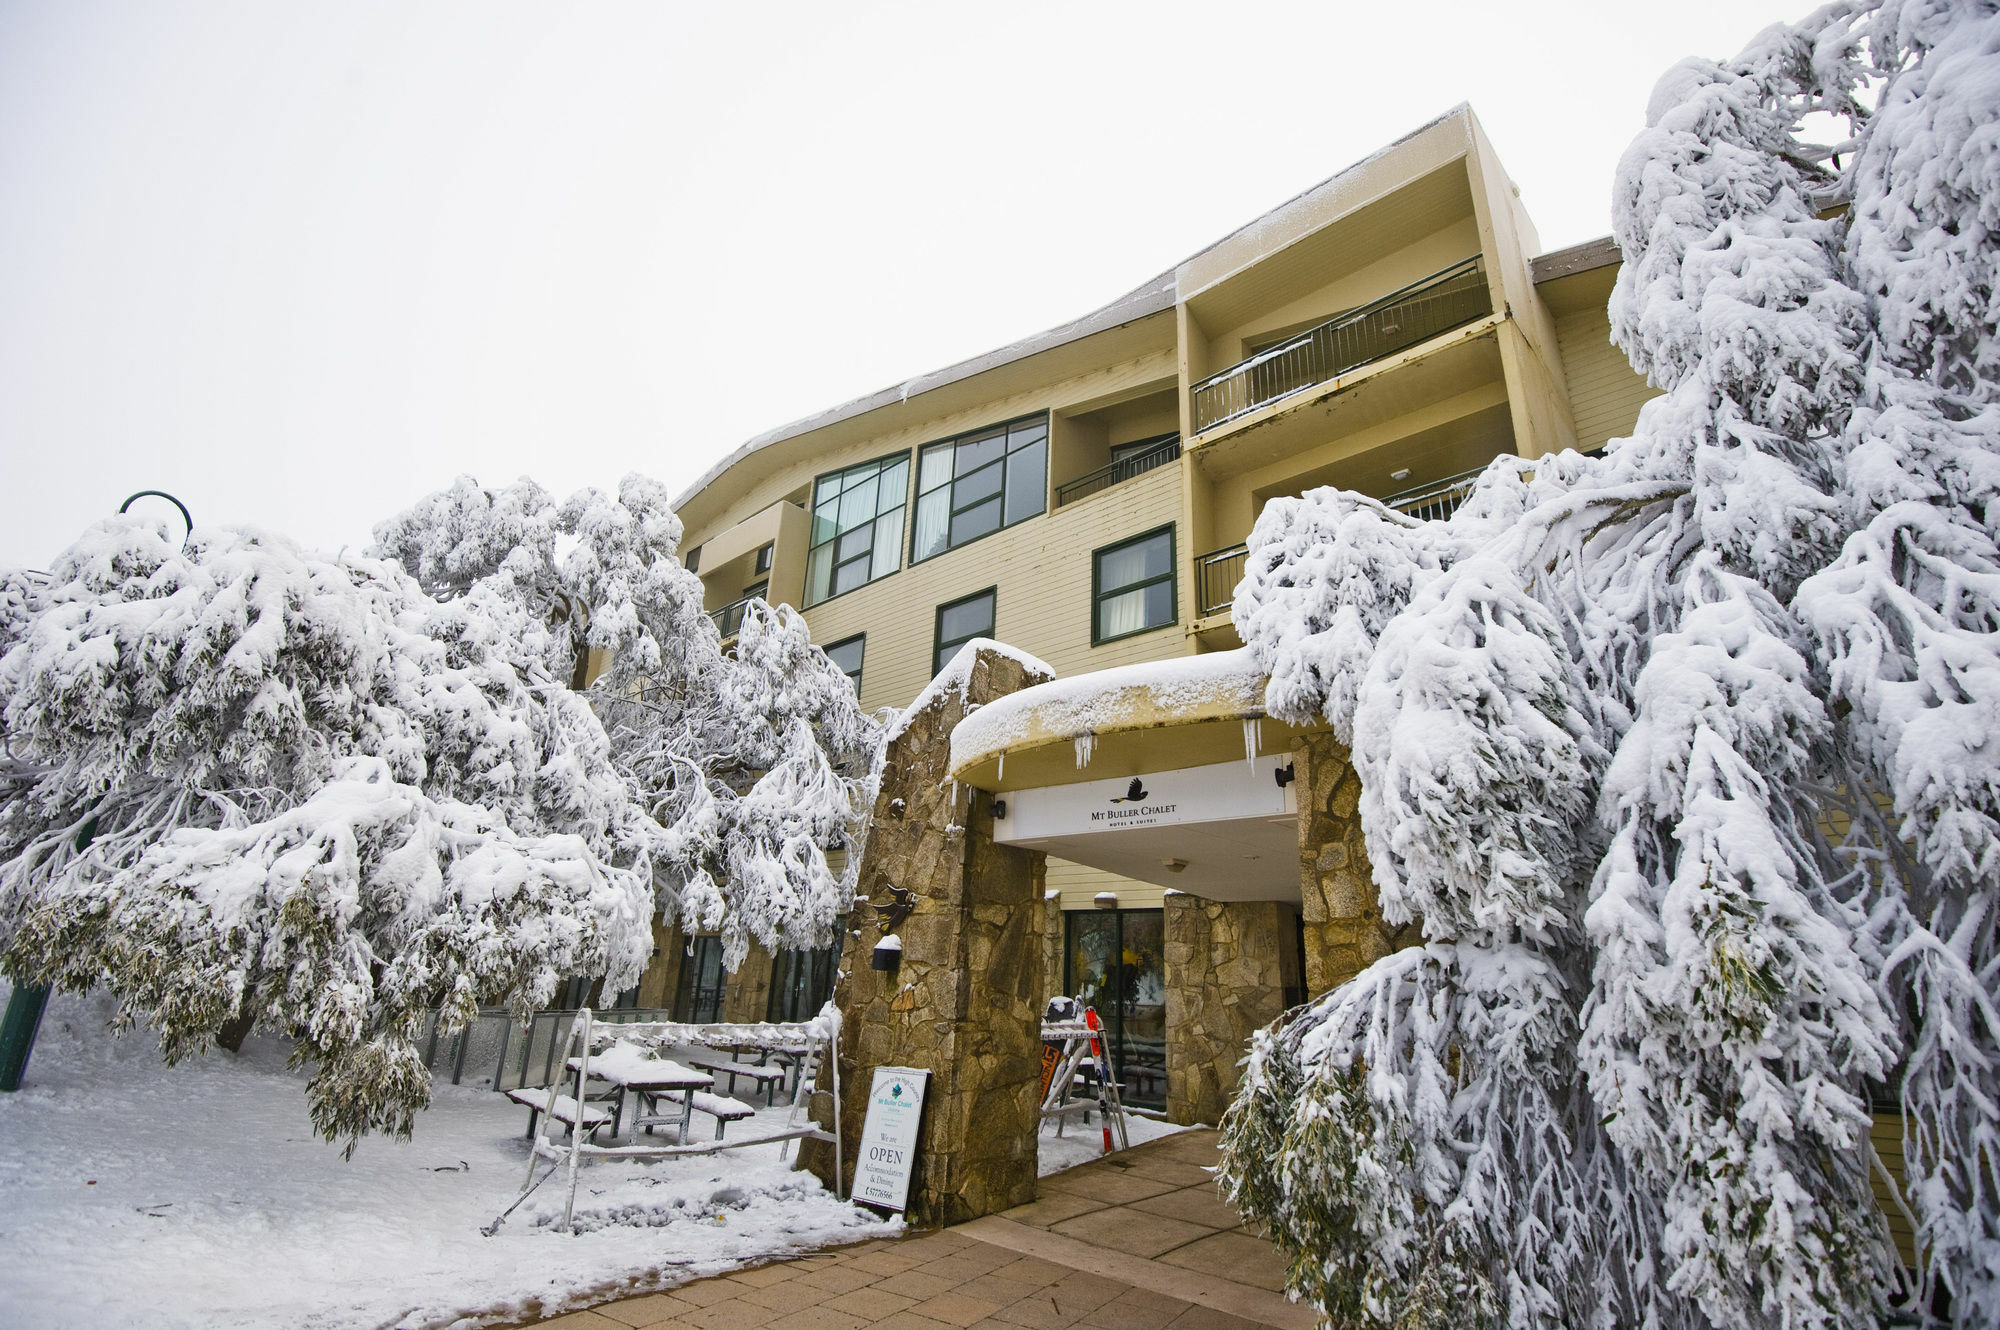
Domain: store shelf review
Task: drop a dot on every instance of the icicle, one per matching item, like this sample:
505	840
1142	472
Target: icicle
1002	773
1253	736
1086	744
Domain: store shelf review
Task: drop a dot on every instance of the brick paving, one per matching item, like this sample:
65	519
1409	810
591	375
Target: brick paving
1137	1241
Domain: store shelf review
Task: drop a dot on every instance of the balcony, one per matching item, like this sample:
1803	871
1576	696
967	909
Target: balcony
729	619
1437	304
1436	501
1120	471
1216	575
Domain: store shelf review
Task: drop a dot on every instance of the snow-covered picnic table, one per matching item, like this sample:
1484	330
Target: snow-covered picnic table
601	1053
633	1070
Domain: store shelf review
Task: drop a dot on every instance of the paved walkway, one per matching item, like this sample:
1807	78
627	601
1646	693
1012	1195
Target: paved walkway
1137	1241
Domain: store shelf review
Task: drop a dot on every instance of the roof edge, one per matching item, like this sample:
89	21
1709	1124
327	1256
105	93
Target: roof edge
1152	297
1602	252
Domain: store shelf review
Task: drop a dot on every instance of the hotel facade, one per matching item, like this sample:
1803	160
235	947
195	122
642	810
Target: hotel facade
1084	496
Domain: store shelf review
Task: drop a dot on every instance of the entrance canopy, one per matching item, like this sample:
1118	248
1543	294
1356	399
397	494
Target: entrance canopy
1227	831
1167	772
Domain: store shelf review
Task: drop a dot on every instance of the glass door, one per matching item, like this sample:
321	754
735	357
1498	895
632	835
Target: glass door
698	996
802	981
1114	961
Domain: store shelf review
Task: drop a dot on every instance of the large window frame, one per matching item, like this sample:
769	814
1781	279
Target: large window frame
832	535
942	650
969	476
702	985
1100	593
858	641
802	980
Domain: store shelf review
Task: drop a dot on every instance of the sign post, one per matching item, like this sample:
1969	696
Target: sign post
887	1155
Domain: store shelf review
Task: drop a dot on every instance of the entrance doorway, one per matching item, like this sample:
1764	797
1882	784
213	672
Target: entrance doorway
1115	961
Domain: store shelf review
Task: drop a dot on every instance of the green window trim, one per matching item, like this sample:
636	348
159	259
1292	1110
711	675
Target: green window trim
943	648
1103	596
856	526
976	483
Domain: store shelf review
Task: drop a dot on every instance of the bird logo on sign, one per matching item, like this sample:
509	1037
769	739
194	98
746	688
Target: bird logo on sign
1134	793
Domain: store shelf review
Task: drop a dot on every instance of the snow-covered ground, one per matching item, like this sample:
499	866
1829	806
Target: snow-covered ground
133	1193
1080	1144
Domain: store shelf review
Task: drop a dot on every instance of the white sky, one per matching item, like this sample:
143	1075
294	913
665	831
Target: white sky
300	264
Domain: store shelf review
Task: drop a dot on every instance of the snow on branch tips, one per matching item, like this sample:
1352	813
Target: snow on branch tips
246	783
244	780
1686	760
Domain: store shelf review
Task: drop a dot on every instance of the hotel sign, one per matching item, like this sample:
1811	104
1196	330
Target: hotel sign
888	1149
1222	792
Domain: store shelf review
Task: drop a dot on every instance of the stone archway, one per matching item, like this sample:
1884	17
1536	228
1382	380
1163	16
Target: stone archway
966	1002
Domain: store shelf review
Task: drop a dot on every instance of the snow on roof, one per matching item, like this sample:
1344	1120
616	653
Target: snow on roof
957	675
1130	696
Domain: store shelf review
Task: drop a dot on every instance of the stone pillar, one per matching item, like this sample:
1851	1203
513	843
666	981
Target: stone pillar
966	1002
746	996
656	985
1225	979
1052	946
1337	899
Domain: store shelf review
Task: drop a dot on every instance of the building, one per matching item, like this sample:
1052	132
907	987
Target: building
1084	495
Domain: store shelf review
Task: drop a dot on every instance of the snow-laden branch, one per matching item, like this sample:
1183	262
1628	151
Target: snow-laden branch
1685	759
242	781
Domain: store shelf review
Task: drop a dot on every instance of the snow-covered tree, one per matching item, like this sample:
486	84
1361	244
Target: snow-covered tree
1686	759
241	778
757	763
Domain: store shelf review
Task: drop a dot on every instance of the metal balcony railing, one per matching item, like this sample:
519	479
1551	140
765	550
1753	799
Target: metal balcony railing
1399	320
1436	501
729	619
1216	576
1120	471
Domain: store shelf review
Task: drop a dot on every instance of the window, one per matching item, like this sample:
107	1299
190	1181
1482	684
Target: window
764	557
1132	587
857	526
698	995
1125	452
975	484
802	981
959	622
757	590
692	560
847	655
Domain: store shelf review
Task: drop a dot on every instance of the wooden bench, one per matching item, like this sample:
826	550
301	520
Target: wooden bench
720	1107
766	1077
564	1111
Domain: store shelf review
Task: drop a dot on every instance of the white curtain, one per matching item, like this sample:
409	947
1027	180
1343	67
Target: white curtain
933	514
1121	614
